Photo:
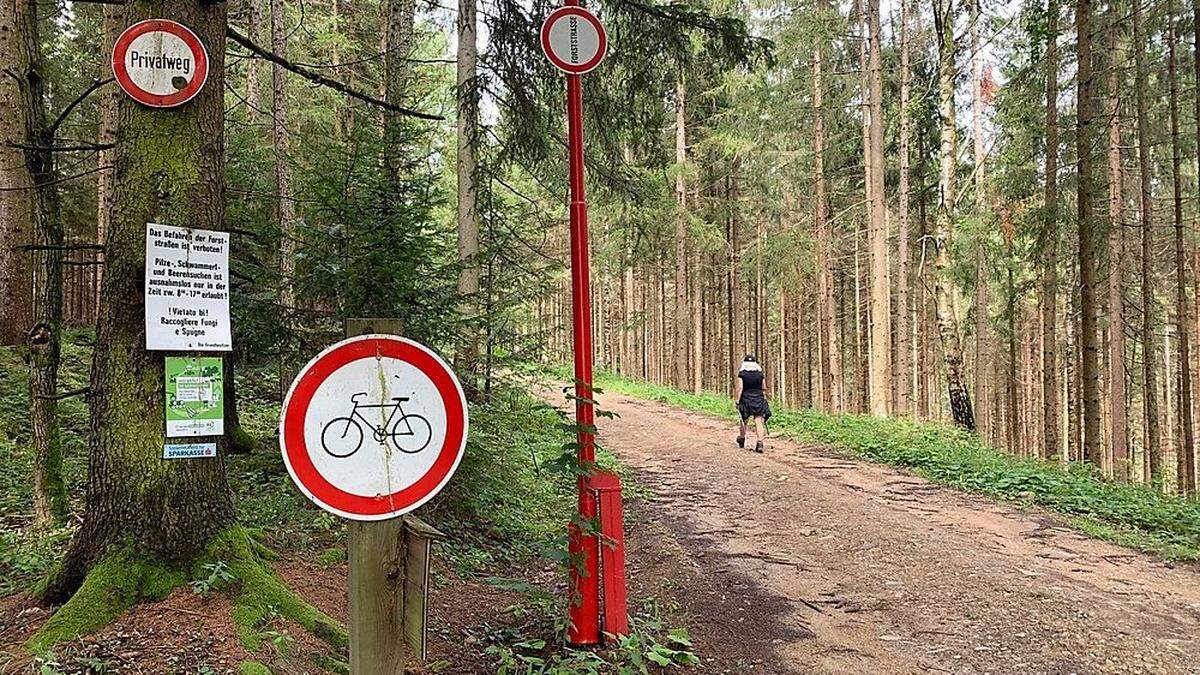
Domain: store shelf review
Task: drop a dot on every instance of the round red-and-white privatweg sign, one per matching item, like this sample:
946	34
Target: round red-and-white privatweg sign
160	63
574	40
373	427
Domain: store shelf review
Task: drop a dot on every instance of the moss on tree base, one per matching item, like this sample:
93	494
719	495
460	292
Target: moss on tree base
111	587
260	595
124	578
239	441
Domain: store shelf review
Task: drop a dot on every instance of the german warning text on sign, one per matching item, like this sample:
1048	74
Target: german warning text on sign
195	406
160	63
574	40
187	289
373	427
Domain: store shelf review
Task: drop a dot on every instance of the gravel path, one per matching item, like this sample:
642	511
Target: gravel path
823	563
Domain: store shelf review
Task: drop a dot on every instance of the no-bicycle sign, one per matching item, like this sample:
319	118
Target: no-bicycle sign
160	63
373	427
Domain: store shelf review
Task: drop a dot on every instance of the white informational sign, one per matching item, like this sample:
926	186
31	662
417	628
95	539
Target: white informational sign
187	289
160	63
373	427
574	40
189	451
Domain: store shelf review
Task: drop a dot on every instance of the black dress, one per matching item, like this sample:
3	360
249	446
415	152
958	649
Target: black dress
753	402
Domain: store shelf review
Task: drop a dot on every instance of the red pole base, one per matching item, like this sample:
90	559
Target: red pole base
607	488
584	610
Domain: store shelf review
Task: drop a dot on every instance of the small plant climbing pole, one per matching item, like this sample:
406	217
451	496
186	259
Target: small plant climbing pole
574	41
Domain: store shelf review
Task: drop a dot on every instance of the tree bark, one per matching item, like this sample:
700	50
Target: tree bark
1186	449
960	398
468	214
1085	141
17	200
1118	421
285	208
881	329
42	339
1152	444
254	83
105	136
982	345
680	356
904	390
831	397
163	511
1049	291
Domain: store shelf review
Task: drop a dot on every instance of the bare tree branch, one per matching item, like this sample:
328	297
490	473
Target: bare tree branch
62	116
325	81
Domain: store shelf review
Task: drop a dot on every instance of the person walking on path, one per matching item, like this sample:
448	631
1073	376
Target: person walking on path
751	401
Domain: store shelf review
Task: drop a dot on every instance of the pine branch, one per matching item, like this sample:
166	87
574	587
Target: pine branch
324	81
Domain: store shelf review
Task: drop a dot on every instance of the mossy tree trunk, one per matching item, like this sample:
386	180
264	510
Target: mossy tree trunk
169	168
42	337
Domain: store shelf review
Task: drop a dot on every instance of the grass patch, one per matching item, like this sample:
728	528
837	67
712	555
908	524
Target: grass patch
1131	515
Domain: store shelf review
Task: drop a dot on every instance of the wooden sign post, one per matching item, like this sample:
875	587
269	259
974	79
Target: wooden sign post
389	574
372	428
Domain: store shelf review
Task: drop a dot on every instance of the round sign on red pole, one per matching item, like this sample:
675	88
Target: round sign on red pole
574	40
160	63
373	427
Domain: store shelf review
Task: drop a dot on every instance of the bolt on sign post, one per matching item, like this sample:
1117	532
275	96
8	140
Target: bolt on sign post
372	428
575	42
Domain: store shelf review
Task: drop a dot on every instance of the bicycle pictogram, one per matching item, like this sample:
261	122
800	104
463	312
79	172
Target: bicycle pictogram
410	433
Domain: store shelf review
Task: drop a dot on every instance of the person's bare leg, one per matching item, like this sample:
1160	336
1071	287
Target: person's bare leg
760	428
742	434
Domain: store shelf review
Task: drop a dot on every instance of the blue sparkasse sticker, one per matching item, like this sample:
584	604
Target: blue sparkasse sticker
189	451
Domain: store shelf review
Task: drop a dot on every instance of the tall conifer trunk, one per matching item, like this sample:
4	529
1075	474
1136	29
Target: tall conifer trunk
903	370
468	215
1118	420
1186	448
880	293
680	355
1051	433
285	209
17	200
1153	440
1085	142
831	396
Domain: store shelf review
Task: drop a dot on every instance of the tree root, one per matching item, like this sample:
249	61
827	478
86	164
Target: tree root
123	578
259	595
111	587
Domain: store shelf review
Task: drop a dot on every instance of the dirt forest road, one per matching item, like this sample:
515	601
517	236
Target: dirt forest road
803	560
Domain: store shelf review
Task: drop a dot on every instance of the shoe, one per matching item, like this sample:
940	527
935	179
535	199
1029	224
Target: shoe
741	441
758	447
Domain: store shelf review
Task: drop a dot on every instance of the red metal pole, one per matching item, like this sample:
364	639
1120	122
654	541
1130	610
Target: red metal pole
584	550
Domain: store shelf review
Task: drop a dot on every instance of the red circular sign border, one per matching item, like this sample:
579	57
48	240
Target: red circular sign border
295	409
160	100
564	66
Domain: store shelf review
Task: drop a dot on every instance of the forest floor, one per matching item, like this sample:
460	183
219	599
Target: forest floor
821	562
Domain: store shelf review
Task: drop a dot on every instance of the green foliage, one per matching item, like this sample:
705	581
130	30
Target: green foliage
525	648
253	668
1132	515
218	575
503	501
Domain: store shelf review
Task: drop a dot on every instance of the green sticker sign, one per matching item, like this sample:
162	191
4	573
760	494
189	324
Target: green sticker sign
195	398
